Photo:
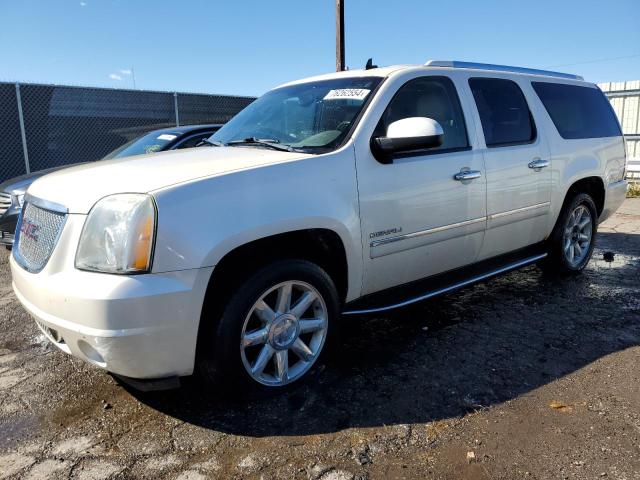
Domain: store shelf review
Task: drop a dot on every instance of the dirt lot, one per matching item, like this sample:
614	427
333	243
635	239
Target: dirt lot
520	377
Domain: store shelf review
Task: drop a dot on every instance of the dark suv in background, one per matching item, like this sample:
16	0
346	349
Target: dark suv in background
12	191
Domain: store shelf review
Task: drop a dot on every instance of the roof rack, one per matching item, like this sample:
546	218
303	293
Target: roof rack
500	68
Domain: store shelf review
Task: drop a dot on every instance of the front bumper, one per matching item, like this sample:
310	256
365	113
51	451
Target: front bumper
142	326
614	196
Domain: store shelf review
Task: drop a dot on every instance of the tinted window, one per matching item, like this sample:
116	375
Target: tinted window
191	142
431	97
503	110
578	112
150	143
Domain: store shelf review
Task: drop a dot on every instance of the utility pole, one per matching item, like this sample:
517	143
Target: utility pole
133	77
340	35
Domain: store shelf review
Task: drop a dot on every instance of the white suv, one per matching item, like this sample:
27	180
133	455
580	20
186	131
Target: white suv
351	193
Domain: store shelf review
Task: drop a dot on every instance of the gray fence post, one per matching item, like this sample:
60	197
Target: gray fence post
175	106
23	133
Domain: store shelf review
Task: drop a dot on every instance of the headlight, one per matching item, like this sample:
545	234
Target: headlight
118	235
20	199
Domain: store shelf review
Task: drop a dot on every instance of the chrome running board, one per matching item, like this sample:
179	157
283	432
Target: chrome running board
440	291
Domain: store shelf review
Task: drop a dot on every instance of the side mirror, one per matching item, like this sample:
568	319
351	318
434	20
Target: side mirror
413	133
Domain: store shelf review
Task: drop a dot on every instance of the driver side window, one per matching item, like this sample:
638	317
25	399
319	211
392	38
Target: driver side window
431	97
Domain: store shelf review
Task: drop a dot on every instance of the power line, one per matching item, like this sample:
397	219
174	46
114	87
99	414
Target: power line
595	61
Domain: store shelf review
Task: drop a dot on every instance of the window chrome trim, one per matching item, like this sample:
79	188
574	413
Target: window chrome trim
421	233
45	204
455	286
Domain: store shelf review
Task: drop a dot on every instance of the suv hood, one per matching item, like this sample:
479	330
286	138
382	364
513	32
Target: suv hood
79	188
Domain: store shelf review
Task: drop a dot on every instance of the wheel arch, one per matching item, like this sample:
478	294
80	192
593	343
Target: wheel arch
322	246
593	186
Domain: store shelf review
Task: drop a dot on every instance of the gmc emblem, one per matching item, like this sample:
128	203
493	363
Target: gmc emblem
29	229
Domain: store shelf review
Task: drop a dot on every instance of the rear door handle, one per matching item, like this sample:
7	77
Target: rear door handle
467	175
539	164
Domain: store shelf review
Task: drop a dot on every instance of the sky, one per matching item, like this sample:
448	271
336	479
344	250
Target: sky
245	47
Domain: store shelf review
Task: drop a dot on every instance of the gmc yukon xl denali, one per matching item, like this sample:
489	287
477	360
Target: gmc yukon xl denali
345	194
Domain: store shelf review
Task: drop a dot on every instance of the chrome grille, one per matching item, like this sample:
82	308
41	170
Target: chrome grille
6	237
38	234
5	203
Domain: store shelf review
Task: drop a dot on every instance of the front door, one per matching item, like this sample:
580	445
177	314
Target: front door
417	219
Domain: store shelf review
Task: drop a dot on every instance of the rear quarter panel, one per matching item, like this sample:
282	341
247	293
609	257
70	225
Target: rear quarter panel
575	159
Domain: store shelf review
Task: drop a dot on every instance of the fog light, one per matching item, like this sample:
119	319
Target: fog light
55	335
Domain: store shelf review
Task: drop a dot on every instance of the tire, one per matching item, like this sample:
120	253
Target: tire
256	350
568	251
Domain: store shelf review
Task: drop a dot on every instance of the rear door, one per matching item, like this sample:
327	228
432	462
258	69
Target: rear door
517	162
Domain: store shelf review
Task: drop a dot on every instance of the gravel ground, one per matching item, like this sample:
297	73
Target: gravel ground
519	377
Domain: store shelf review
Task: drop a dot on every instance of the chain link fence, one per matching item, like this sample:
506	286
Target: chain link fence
45	126
12	159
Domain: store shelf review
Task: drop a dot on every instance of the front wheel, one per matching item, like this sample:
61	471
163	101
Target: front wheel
273	329
571	243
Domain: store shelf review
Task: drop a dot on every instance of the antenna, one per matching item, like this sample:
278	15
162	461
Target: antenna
370	64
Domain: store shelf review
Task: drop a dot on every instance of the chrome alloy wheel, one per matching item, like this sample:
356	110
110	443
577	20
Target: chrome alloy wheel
284	333
578	234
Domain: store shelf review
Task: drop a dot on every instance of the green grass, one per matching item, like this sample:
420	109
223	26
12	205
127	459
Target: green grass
634	190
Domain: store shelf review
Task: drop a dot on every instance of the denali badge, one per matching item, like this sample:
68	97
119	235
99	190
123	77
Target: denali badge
382	233
29	229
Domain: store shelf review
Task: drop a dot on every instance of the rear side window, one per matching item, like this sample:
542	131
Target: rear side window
504	113
578	112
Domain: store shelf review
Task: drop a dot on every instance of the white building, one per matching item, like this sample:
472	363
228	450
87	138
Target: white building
625	99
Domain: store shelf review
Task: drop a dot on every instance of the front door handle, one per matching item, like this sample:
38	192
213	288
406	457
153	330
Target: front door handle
539	164
467	175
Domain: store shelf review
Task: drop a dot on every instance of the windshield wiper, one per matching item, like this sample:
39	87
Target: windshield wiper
264	142
209	143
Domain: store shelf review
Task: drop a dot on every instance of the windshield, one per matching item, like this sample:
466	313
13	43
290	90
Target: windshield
314	116
150	143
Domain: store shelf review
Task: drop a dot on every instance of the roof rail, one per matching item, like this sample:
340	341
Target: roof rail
500	68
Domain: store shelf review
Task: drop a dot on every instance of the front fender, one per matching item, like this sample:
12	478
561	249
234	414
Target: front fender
200	222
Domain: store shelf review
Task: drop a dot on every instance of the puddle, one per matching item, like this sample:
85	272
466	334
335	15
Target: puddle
601	259
15	428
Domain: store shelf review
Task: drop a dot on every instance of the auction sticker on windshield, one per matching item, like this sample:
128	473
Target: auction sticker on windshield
347	94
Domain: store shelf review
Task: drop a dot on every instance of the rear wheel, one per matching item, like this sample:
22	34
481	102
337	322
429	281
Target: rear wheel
571	244
273	329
